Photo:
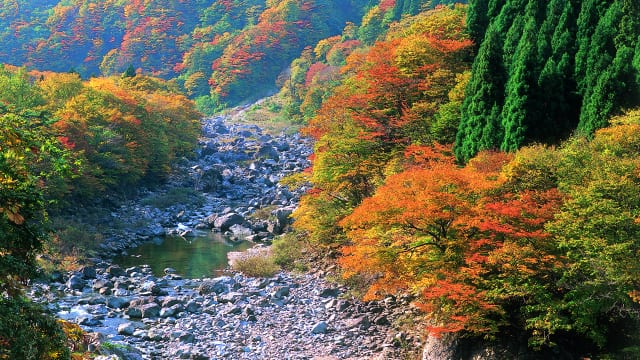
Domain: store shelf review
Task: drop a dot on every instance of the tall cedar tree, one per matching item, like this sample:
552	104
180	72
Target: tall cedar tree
485	95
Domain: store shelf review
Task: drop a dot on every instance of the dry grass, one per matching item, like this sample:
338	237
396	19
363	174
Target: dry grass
255	262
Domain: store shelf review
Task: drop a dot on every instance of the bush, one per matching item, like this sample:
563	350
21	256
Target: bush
28	332
255	263
287	251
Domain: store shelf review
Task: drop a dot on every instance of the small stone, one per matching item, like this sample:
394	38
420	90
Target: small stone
330	292
280	292
361	322
320	328
105	291
126	329
88	321
187	338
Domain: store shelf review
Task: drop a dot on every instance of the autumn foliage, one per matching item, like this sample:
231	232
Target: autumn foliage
540	242
120	131
485	253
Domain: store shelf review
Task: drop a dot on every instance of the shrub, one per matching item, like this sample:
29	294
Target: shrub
287	251
28	332
255	263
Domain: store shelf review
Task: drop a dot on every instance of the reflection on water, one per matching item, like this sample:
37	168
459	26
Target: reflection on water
196	257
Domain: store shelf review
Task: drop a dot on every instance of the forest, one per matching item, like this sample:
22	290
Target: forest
480	157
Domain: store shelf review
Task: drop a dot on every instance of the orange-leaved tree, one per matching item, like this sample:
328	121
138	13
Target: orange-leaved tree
379	109
475	252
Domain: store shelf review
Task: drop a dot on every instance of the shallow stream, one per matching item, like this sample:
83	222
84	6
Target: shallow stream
193	257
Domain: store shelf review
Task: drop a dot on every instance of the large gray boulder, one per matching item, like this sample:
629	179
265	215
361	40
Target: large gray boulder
76	282
224	222
117	302
116	271
88	272
150	311
126	328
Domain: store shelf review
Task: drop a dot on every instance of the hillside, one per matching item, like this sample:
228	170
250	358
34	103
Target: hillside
209	48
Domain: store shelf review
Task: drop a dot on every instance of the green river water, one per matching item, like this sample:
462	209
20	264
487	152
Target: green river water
194	257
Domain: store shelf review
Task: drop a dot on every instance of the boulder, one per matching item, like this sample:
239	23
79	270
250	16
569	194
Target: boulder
226	221
134	312
116	271
126	329
210	220
117	303
142	301
192	307
88	272
170	301
76	282
133	270
88	321
150	311
217	286
150	287
231	297
167	312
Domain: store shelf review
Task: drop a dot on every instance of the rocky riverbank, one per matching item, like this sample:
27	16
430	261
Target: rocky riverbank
288	316
136	315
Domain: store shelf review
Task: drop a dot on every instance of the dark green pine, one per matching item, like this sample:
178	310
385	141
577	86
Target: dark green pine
485	92
520	112
591	11
603	68
478	19
559	103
